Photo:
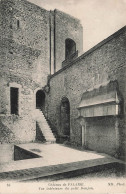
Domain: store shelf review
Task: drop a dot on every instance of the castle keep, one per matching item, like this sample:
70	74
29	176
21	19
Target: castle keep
45	78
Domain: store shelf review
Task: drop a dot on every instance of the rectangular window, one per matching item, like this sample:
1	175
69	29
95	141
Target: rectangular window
18	23
14	92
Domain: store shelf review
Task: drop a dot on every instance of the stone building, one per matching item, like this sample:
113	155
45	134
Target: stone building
82	96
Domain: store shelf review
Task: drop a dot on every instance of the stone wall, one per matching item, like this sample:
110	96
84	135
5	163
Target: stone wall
28	34
66	27
24	64
17	129
21	127
27	56
101	134
106	61
25	40
32	44
6	153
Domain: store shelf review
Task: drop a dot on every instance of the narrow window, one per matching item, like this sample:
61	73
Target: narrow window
18	23
14	92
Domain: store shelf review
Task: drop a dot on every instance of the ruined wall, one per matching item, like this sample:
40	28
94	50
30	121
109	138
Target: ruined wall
25	40
24	64
66	26
28	34
106	61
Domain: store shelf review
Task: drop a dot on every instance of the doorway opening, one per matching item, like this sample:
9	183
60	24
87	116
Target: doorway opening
14	95
40	100
65	117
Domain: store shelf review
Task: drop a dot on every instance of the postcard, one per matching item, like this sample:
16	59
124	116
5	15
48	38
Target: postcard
62	96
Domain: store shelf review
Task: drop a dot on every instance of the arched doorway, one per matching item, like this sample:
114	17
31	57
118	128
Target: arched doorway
65	117
70	48
40	100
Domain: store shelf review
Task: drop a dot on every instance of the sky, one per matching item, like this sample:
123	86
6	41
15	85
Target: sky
99	18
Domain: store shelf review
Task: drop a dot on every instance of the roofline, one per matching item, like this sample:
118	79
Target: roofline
55	10
36	5
67	15
100	44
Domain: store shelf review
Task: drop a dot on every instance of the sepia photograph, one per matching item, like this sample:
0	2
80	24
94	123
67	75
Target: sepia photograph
62	96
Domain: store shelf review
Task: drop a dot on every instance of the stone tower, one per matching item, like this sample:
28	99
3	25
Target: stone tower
34	43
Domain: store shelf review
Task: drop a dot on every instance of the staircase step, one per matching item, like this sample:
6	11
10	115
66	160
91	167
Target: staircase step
44	127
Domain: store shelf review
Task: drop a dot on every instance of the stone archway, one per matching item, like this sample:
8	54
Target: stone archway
40	100
65	117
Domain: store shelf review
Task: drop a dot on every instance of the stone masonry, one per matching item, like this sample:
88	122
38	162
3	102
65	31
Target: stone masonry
106	61
29	39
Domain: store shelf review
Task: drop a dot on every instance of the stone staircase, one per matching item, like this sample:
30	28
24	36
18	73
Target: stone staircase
44	127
